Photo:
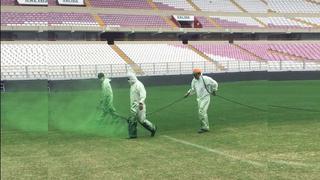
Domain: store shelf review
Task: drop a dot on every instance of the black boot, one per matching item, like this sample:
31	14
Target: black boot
149	128
132	128
154	131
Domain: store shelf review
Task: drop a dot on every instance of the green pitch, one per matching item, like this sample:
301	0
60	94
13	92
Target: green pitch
242	144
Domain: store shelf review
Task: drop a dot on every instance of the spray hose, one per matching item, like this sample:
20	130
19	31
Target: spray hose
273	106
295	108
241	104
229	100
167	106
153	112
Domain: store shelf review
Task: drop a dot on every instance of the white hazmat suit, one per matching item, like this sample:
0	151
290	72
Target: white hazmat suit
107	95
201	87
138	107
106	102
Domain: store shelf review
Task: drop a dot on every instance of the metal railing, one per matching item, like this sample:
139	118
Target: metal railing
60	72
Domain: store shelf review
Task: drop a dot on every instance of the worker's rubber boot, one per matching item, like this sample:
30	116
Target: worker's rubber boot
200	131
154	131
150	128
132	129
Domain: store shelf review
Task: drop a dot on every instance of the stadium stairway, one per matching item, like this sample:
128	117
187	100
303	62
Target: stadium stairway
127	59
99	20
304	22
292	56
152	4
264	1
165	18
272	11
169	22
260	22
218	65
238	6
87	3
313	1
249	52
214	22
193	5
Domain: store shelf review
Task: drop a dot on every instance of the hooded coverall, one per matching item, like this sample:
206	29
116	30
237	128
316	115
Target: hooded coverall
198	86
106	102
137	96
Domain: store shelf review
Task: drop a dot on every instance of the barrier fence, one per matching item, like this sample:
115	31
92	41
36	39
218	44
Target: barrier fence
60	72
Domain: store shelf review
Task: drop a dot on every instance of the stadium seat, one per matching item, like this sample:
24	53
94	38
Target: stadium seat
144	21
177	59
253	6
61	58
85	60
8	2
293	6
236	22
216	5
42	19
131	4
314	20
282	22
173	5
72	19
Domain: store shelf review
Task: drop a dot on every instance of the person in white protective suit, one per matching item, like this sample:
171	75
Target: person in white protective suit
138	108
106	102
203	86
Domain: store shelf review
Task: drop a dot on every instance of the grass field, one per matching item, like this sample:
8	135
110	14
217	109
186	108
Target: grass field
242	144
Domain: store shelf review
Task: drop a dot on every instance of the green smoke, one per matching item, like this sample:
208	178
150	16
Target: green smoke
69	111
27	111
80	112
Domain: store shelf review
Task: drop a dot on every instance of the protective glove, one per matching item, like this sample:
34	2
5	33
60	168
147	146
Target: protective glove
130	119
214	93
140	106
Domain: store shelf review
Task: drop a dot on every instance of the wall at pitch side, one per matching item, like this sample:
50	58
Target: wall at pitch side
88	84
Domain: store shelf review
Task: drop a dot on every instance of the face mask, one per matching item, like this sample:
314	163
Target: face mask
101	79
132	78
131	81
197	75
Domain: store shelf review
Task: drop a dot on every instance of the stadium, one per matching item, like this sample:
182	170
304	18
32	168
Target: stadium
264	117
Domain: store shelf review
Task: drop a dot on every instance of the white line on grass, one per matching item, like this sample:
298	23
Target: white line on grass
291	163
221	153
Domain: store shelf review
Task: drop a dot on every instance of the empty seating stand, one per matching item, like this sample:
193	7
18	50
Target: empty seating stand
231	57
47	19
159	59
293	6
173	5
216	5
131	4
253	6
82	60
236	22
282	22
25	19
313	20
59	61
8	2
142	21
72	19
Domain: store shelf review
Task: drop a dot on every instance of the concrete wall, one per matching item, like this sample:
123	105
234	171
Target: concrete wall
70	85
